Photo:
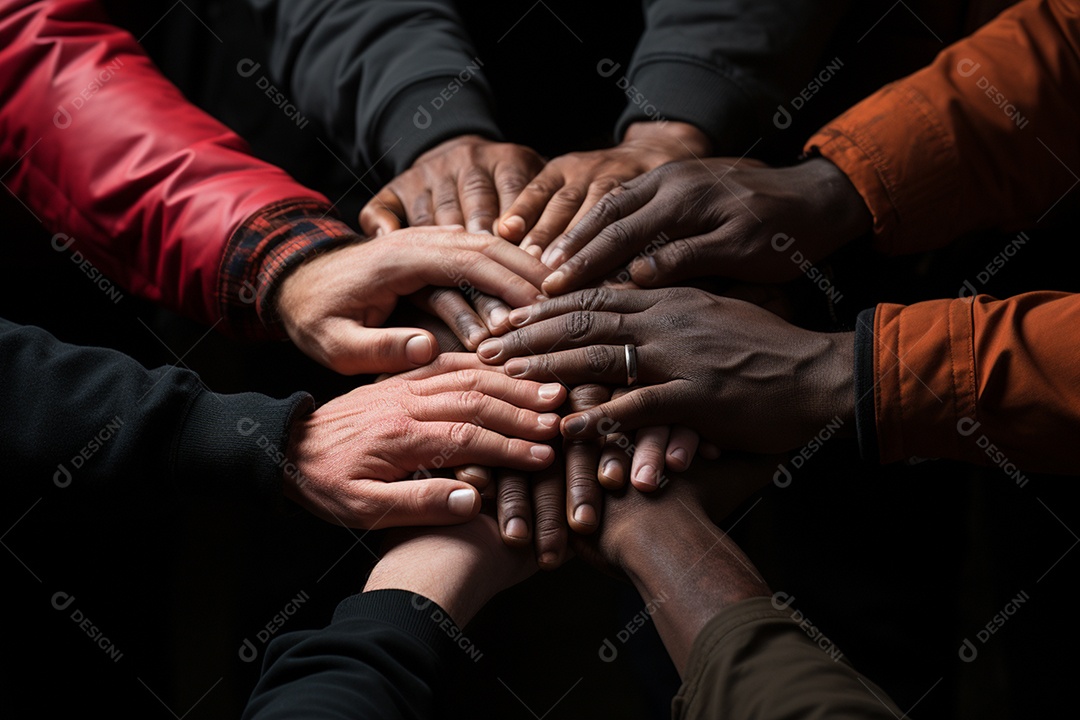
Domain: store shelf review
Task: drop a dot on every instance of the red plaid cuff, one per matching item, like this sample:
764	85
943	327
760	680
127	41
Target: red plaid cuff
260	253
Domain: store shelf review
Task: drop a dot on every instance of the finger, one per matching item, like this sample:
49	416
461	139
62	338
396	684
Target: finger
549	508
679	260
514	509
614	461
617	204
573	330
352	349
641	234
510	180
431	501
383	213
555	256
651	405
477	409
682	446
476	475
465	443
479	201
446	363
420	210
604	364
476	272
557	215
493	311
600	299
450	306
513	257
583	492
522	393
446	204
529	205
650	444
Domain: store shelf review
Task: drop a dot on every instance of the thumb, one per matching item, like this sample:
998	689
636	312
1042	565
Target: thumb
431	501
353	349
677	261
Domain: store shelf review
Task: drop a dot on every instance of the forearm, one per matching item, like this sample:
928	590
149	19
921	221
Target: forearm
690	570
96	420
725	66
991	382
151	201
376	74
949	151
380	658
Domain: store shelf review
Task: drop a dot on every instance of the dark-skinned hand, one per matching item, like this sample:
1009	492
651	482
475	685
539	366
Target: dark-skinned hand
722	217
738	375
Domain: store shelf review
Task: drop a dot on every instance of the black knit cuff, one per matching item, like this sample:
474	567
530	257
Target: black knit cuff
406	610
237	444
676	88
427	113
865	416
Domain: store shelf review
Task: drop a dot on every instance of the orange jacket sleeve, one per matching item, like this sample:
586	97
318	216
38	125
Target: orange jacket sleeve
993	382
984	137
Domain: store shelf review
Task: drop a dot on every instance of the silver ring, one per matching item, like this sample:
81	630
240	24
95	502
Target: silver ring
631	365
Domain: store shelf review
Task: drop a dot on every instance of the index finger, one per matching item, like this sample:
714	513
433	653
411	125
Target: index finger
383	213
602	299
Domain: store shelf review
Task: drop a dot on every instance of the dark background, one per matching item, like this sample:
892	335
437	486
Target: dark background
896	565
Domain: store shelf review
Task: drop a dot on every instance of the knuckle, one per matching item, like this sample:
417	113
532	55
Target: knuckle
595	299
463	434
569	196
514	496
472	401
475	183
578	324
604	184
586	397
684	252
600	359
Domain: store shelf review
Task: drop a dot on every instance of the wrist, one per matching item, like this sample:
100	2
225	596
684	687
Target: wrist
449	576
829	394
681	139
842	205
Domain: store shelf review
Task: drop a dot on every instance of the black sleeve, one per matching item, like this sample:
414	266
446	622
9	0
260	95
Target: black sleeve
96	419
725	65
387	79
380	658
865	412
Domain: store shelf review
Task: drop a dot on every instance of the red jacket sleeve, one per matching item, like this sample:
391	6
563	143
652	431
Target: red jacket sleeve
158	195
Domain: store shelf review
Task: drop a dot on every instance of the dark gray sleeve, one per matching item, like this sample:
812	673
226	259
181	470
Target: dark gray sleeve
725	65
755	659
96	420
387	79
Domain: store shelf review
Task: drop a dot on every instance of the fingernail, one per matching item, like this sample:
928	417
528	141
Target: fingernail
554	280
548	558
489	349
498	316
548	419
517	367
516	528
541	452
575	425
646	477
585	514
462	502
419	350
549	391
514	224
520	316
555	259
643	269
612	470
679	454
